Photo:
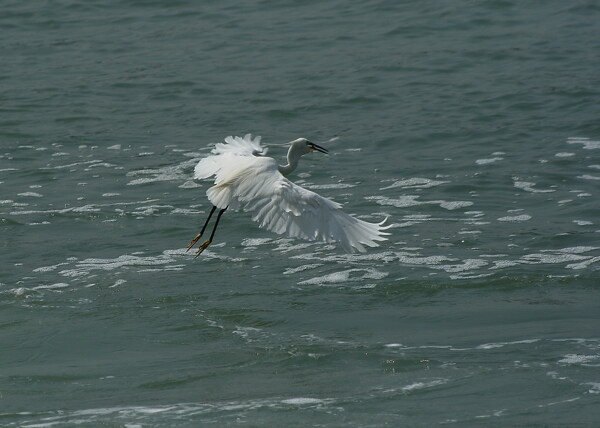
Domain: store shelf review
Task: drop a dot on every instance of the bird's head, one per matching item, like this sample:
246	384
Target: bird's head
302	146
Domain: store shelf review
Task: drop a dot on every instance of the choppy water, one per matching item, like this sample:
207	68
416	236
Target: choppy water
472	125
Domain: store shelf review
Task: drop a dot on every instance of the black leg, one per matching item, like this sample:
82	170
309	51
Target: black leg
198	236
207	242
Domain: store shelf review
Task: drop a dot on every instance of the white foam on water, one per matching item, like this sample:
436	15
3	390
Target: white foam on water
501	264
330	186
423	385
515	218
140	416
255	242
402	202
290	271
56	286
166	261
49	268
415	259
411	201
415	183
488	161
583	222
551	258
80	209
250	334
189	184
583	265
348	275
586	142
594	387
528	187
455	204
589	177
118	282
503	344
31	194
99	164
564	154
574	250
185	211
579	359
466	265
302	401
167	173
554	403
71	165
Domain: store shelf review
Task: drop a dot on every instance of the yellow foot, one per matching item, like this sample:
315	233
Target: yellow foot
191	244
202	247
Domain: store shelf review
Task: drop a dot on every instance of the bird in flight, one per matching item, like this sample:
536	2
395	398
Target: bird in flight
245	178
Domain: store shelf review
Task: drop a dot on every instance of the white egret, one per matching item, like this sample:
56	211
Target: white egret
245	178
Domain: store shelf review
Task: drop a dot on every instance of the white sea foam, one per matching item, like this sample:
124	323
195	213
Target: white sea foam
423	385
579	359
189	184
503	344
290	271
79	209
515	218
185	211
528	187
415	183
330	186
414	259
166	261
180	171
466	265
411	200
584	264
594	387
49	268
349	275
71	165
583	222
302	401
453	205
255	242
550	258
488	161
586	142
574	250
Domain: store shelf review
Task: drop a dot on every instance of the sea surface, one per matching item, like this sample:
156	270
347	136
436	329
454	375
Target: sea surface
473	126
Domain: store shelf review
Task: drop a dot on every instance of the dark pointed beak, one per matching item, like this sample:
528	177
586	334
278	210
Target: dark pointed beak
318	148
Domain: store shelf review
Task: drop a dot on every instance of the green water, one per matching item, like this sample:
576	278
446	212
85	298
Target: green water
472	125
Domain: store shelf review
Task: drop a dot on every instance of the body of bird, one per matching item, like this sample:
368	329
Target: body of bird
245	178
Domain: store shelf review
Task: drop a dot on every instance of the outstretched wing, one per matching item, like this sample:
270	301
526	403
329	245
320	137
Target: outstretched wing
243	177
225	156
281	206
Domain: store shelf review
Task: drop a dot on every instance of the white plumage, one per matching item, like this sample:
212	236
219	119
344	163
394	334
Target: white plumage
245	178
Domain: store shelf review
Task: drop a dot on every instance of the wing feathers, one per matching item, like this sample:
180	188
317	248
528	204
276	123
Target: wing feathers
242	178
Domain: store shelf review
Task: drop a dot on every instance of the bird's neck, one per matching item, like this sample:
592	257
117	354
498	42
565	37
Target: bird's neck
292	159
